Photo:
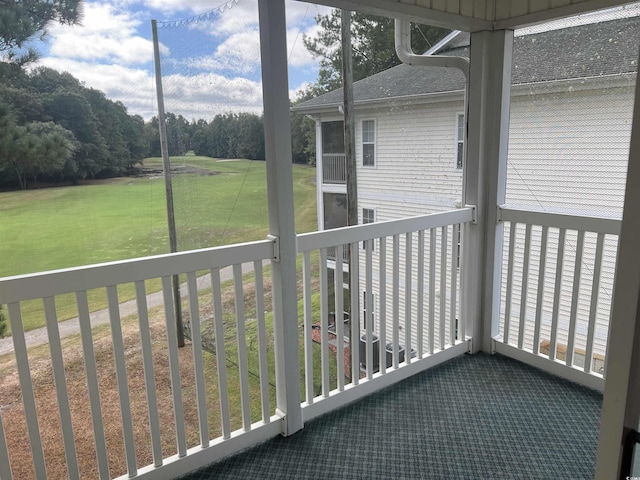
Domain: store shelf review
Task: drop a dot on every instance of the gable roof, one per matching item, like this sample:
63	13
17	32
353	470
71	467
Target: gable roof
610	48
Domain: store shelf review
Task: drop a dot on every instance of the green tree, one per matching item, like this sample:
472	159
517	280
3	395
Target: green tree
250	128
48	148
303	139
373	47
21	20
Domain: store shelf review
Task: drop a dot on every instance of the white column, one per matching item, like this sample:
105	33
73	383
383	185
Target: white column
621	405
485	180
319	175
277	131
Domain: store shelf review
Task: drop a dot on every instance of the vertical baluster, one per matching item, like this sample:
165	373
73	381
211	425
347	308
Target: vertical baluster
525	284
462	323
541	281
174	368
369	308
396	301
308	328
92	383
241	338
513	226
26	387
556	295
149	377
420	297
198	363
339	316
382	301
454	285
408	273
354	279
324	320
221	358
577	272
5	466
432	290
60	382
443	285
262	342
121	376
593	308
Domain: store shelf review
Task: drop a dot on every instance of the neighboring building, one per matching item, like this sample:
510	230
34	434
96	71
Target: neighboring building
571	109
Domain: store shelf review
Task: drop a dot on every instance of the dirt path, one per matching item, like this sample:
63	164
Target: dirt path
39	336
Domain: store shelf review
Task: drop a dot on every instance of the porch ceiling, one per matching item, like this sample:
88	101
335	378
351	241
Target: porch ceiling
474	15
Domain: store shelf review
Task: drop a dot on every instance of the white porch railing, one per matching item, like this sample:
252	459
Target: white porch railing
334	168
556	286
183	457
413	313
556	291
411	266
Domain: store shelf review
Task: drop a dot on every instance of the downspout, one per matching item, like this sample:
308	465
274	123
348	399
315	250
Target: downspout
408	57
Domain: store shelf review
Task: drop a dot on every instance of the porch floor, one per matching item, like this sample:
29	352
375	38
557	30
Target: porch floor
478	416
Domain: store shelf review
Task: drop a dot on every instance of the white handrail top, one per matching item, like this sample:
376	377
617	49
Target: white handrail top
358	233
56	282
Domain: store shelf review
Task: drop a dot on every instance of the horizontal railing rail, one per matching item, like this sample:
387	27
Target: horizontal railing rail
334	168
403	303
56	282
556	290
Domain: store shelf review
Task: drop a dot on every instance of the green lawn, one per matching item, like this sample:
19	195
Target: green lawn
123	218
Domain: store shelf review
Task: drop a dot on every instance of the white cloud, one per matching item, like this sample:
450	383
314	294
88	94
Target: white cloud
103	35
199	96
205	95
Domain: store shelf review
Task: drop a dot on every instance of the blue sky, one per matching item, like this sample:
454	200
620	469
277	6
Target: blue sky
210	66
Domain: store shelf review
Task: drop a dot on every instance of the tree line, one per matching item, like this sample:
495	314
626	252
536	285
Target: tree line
228	135
56	130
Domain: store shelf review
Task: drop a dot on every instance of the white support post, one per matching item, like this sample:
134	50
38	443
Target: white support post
485	181
319	175
277	131
621	405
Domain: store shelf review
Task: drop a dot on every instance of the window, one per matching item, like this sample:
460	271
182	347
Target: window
368	143
368	216
459	140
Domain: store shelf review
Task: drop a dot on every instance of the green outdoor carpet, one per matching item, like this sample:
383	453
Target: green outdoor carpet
474	417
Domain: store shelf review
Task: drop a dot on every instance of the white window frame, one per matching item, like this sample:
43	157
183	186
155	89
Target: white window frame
374	143
375	215
459	146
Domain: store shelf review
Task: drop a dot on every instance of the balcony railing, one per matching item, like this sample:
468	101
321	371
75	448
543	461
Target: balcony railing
557	288
218	397
334	168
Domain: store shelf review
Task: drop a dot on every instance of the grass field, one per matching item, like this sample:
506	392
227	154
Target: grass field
123	218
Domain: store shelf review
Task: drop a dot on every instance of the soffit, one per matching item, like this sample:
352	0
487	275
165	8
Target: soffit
474	15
